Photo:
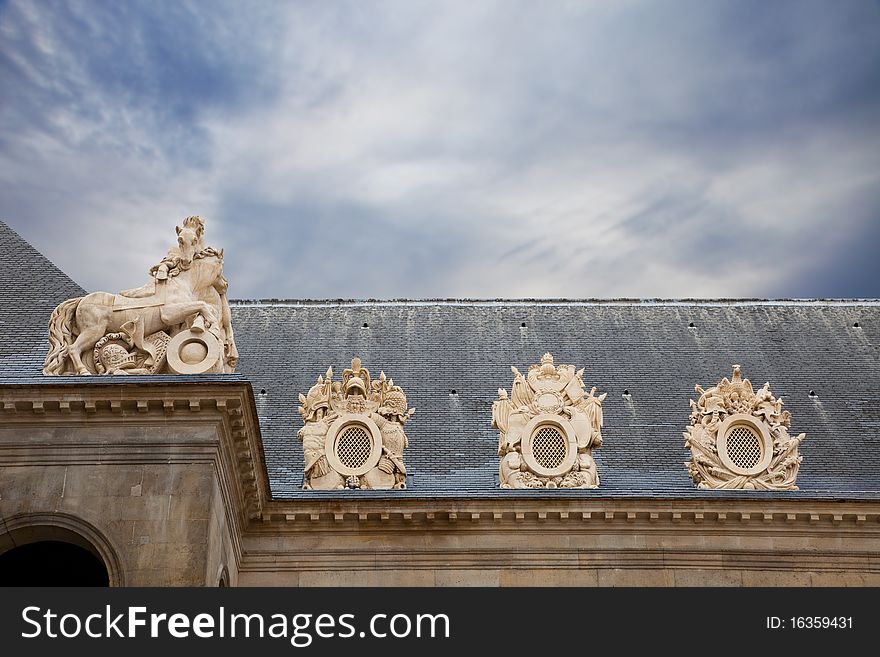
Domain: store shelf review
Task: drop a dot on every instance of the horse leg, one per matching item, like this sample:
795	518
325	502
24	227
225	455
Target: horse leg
92	316
198	325
85	340
232	351
210	315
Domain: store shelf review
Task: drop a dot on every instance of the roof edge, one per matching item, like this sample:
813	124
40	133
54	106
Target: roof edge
556	302
5	226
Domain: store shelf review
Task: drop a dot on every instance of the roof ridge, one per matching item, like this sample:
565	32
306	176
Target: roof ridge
550	301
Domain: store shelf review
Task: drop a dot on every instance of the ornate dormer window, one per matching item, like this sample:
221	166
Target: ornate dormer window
548	429
353	435
739	438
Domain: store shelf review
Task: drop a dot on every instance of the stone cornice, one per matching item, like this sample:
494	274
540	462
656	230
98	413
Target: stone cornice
549	514
559	558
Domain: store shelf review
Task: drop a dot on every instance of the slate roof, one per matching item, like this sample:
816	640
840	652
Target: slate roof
648	348
451	356
30	288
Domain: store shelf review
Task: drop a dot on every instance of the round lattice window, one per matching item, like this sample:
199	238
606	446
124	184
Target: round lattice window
744	444
744	447
354	446
549	447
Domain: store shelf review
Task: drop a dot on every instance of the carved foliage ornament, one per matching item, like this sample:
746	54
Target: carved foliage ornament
548	428
353	435
178	323
739	438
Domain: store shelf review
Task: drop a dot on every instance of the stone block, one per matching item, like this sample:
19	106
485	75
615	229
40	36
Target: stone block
367	578
635	577
547	577
473	577
776	578
706	577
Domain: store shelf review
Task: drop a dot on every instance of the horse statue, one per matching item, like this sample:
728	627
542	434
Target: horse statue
179	322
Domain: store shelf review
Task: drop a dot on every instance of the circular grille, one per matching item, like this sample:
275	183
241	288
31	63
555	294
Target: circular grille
549	447
744	447
353	446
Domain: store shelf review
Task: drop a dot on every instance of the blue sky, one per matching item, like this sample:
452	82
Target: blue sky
451	149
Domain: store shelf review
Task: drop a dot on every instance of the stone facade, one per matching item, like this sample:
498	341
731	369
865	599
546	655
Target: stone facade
161	479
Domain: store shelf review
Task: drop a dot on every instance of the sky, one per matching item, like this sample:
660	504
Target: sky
508	149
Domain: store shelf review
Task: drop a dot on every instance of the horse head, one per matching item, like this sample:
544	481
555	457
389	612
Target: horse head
188	243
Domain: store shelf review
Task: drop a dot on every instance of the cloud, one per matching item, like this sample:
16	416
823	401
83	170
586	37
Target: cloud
391	149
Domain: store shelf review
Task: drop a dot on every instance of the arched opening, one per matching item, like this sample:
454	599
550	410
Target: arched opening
53	549
223	578
52	563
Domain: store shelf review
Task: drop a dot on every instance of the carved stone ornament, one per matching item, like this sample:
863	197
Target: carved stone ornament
178	323
548	428
353	435
739	438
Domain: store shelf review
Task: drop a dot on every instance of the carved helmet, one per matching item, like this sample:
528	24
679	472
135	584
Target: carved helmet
316	399
113	356
355	383
395	403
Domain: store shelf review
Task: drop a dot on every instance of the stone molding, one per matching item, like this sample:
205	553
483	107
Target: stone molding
426	542
760	515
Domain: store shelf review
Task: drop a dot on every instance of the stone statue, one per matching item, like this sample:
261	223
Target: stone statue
352	432
178	323
548	428
739	438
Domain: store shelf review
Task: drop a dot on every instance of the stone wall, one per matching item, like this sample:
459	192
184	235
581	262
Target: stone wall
559	542
150	478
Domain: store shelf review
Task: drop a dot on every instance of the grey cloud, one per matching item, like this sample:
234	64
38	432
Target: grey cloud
847	266
310	249
493	149
117	68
